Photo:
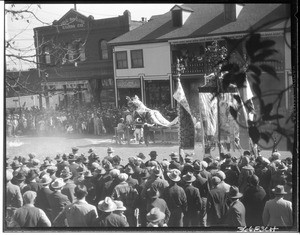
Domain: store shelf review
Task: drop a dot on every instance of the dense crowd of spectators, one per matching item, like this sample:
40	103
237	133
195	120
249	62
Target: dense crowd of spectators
86	190
85	119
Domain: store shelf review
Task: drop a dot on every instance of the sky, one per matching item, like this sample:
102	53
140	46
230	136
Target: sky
22	30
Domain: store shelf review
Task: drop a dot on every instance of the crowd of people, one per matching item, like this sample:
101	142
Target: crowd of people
85	119
86	190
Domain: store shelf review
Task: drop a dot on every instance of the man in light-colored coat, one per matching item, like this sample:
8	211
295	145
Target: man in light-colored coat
278	212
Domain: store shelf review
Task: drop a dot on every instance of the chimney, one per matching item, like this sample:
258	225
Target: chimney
127	15
144	19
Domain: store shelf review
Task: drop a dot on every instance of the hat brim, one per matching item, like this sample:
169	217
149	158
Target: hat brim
161	216
66	177
60	186
47	182
191	180
174	179
279	193
123	208
101	208
239	195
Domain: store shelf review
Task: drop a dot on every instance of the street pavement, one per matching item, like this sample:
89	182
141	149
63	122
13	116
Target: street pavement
44	146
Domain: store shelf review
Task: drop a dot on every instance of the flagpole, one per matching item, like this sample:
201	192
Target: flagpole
202	129
218	111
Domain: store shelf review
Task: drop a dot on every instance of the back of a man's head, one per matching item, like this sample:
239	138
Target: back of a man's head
29	197
80	191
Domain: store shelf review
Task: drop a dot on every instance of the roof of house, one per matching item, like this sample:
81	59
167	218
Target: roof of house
205	20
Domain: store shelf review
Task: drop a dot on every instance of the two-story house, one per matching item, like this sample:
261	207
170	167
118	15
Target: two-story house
147	56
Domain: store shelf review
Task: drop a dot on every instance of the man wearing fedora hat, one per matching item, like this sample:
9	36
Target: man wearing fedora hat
57	200
155	216
176	199
31	182
254	200
246	171
156	181
73	165
216	204
128	195
110	154
153	155
42	200
111	184
120	209
194	202
19	179
131	181
105	177
78	214
203	178
175	163
75	150
231	170
154	200
69	187
263	173
60	164
278	211
236	212
107	218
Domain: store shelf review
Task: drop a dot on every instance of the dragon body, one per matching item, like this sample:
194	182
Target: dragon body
154	116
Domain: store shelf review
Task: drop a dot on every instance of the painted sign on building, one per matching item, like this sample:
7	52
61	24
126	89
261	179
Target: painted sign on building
128	83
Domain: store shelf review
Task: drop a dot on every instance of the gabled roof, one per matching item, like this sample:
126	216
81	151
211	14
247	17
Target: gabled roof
72	12
182	7
205	20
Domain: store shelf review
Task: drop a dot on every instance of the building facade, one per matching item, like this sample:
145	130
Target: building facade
183	35
23	89
74	60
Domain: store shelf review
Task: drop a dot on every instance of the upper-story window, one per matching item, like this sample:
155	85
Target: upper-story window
121	60
81	52
137	59
47	56
71	52
103	50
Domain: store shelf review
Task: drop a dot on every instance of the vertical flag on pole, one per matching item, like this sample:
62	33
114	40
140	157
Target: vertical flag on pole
180	97
246	95
186	124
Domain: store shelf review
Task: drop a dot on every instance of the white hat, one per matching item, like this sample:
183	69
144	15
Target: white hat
123	177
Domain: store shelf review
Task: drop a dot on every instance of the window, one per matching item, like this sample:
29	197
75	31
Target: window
121	60
71	52
137	59
81	52
103	50
47	56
